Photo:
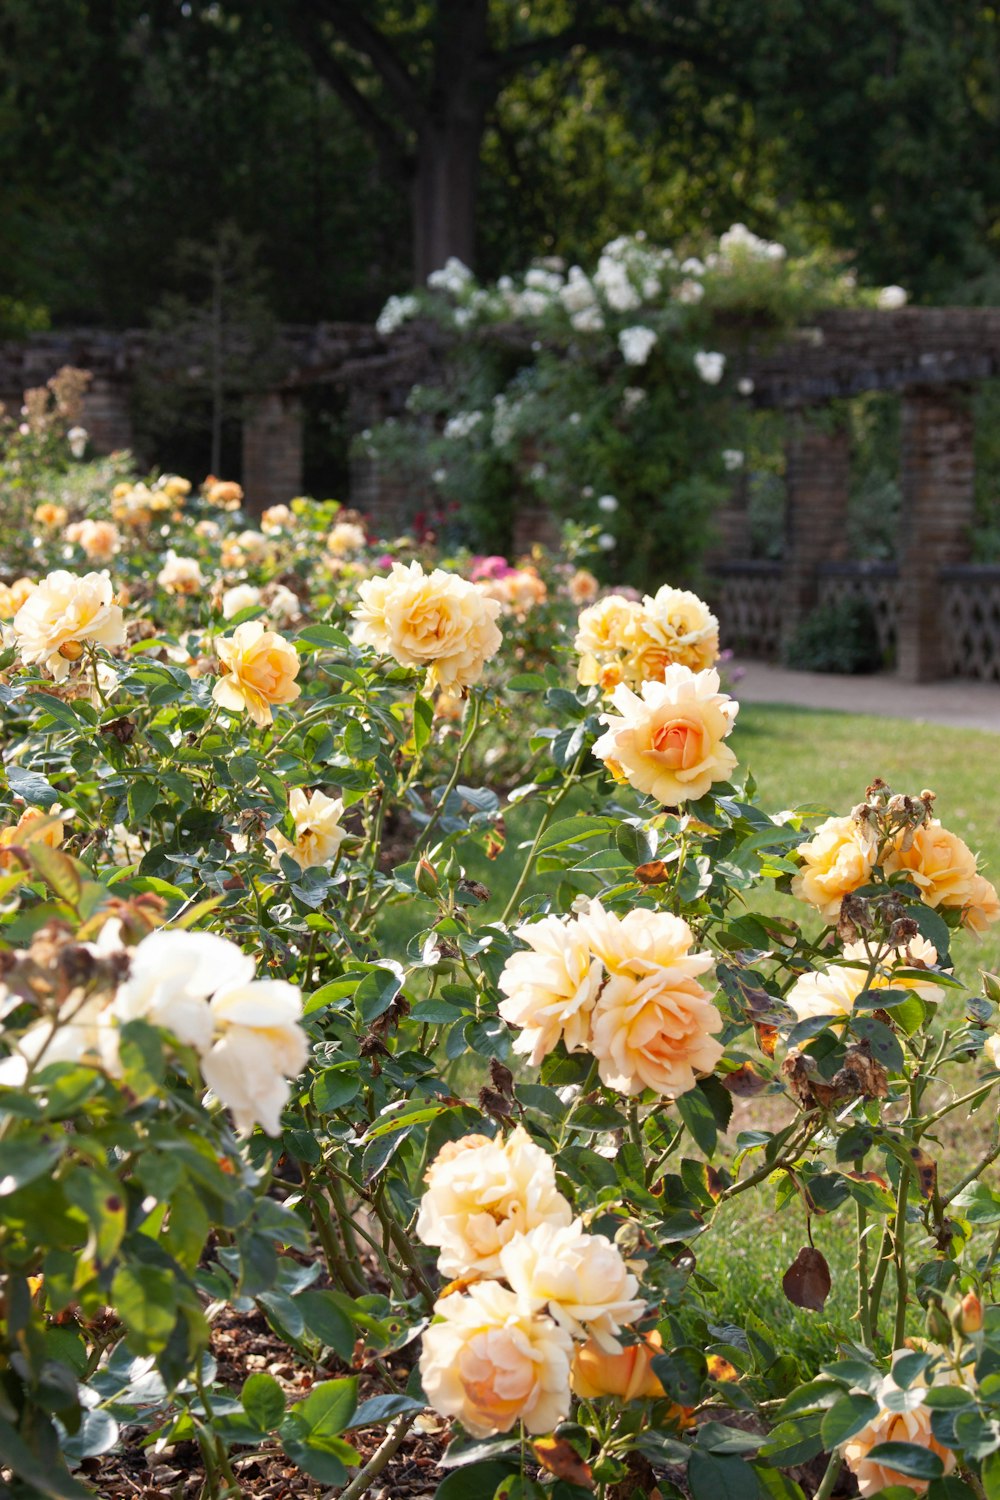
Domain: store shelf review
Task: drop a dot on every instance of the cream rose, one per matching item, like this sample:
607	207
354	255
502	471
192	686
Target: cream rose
669	742
480	1193
580	1278
435	620
835	861
345	538
834	990
260	670
180	575
602	635
62	614
319	832
550	989
943	868
674	626
50	516
491	1364
242	596
260	1046
276	518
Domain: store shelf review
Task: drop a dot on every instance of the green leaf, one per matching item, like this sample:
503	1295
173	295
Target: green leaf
846	1417
697	1114
474	1481
423	722
34	789
884	1044
326	1321
142	798
328	1409
379	1409
979	1204
60	873
716	1476
263	1401
910	1459
145	1299
375	994
682	1374
23	1161
334	1088
55	1483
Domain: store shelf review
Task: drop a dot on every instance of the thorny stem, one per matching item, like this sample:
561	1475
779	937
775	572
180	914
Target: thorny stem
830	1477
781	1163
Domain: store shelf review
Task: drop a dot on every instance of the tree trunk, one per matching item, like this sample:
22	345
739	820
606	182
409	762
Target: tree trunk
444	195
450	139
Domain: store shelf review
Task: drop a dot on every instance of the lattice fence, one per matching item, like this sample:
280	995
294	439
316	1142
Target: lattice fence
970	608
747	598
876	583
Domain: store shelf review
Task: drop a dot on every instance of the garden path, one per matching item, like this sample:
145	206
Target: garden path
959	703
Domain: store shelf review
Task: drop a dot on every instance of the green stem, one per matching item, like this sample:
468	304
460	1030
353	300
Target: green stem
424	840
864	1314
830	1477
546	819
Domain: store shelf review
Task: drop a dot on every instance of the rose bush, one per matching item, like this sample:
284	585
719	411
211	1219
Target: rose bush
287	1031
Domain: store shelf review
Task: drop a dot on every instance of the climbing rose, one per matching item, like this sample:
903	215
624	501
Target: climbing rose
260	670
62	614
171	976
435	620
490	1363
669	742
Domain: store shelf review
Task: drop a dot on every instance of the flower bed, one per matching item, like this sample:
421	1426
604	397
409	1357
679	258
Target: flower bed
276	1059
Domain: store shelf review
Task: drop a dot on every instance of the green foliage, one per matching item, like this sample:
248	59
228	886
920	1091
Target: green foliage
840	636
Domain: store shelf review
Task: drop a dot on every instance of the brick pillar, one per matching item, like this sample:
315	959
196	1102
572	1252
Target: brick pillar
818	484
272	450
938	478
107	415
387	498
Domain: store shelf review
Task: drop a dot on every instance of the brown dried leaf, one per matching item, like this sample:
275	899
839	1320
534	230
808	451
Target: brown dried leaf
744	1081
767	1037
807	1282
861	1075
653	873
926	1170
560	1458
721	1369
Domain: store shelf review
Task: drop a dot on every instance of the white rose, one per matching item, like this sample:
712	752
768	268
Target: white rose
580	1278
261	1044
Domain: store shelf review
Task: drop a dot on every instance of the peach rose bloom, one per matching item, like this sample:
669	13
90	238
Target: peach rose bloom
516	592
653	1025
491	1364
260	670
32	827
435	620
223	492
61	614
582	587
241	596
21	591
318	830
50	516
174	486
480	1193
180	575
943	868
602	635
581	1279
911	1426
677	626
627	1375
345	538
100	540
551	988
276	518
836	860
668	743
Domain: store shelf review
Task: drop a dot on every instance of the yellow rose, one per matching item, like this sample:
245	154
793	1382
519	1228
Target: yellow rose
223	492
480	1193
260	670
276	518
943	868
50	516
602	635
551	988
21	590
174	486
62	613
835	861
435	620
582	587
627	1375
653	1025
318	830
673	626
33	826
669	742
492	1364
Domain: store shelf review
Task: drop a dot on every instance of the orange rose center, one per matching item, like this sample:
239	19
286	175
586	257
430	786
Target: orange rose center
678	744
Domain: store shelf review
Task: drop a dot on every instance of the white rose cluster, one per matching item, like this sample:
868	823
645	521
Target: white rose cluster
200	988
500	1351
